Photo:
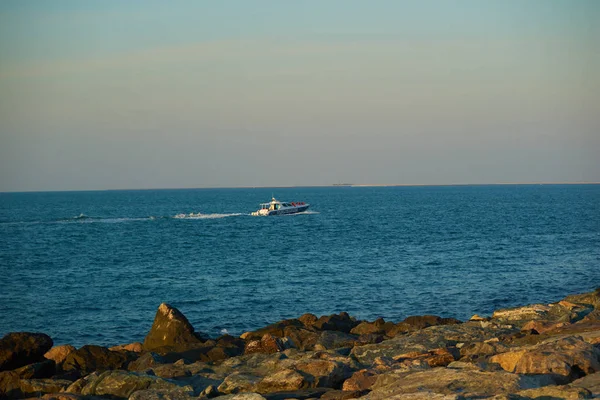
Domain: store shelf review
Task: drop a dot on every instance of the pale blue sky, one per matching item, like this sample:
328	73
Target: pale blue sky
154	94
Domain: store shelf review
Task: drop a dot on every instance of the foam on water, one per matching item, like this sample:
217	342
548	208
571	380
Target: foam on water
205	216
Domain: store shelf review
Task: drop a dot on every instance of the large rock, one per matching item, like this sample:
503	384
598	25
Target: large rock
324	373
171	329
96	358
566	359
335	340
304	339
379	326
59	353
21	348
267	344
239	382
161	394
447	381
336	322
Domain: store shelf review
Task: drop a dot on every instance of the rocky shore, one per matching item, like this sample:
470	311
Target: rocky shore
540	351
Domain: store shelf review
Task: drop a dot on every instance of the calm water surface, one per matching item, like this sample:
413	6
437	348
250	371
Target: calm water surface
92	267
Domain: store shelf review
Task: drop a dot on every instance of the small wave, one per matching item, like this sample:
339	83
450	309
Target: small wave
204	216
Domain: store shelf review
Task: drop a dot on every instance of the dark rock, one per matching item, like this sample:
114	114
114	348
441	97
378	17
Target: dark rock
303	394
424	321
379	326
44	369
18	349
308	320
146	361
171	329
337	322
96	358
335	340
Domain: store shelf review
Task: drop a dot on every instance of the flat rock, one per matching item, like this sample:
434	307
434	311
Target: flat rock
447	381
556	392
18	349
161	394
123	384
136	347
171	329
38	387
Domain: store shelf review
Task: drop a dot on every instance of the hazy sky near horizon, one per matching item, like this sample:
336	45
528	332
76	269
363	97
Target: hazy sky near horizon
153	94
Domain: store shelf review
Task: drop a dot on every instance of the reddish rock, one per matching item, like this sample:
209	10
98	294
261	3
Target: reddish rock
360	380
267	344
308	319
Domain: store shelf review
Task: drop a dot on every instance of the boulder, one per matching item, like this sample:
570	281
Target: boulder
304	339
480	350
171	329
267	344
59	353
324	372
566	359
308	320
284	380
360	380
239	382
342	394
336	322
91	358
18	349
379	326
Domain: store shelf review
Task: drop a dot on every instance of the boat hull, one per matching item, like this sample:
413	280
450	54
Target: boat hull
286	211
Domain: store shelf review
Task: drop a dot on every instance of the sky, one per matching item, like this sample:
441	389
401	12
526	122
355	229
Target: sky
105	94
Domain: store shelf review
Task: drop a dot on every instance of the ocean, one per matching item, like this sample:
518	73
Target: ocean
93	267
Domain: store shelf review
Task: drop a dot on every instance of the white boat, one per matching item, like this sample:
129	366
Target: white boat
276	207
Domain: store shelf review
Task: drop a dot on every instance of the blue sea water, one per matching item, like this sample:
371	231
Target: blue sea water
92	267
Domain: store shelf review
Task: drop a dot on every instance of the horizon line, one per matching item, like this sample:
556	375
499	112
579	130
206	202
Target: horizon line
310	186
